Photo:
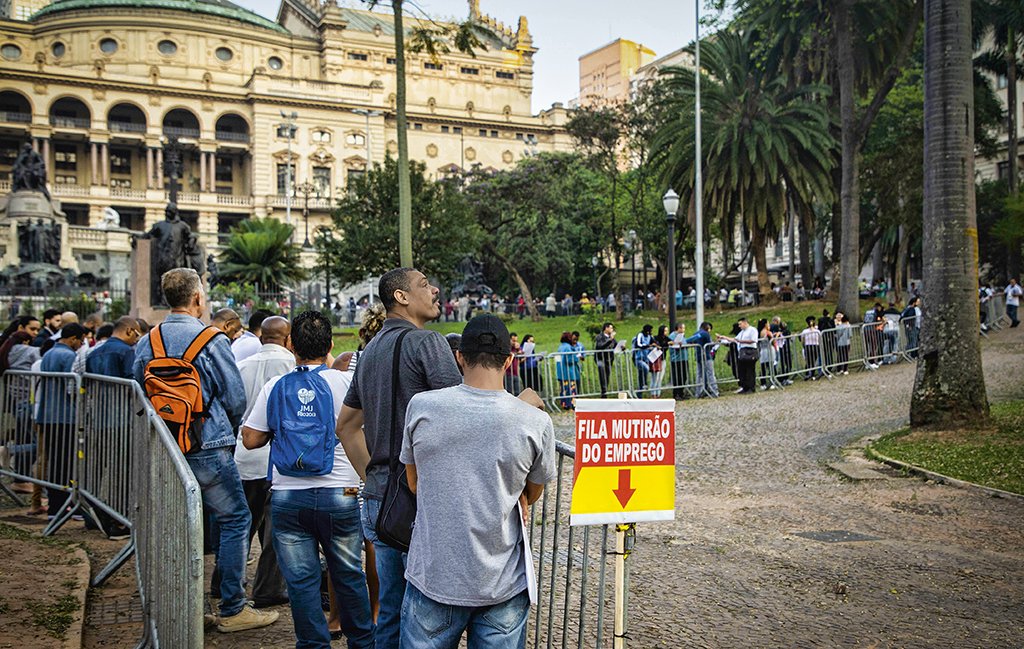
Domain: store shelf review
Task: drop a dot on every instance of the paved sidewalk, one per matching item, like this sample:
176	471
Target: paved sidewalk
937	566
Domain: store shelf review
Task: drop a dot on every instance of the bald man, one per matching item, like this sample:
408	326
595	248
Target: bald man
227	321
273	359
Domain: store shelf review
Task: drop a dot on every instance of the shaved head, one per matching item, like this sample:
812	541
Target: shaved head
227	321
68	317
275	330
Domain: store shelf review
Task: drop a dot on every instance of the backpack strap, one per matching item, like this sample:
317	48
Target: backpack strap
397	429
199	343
156	341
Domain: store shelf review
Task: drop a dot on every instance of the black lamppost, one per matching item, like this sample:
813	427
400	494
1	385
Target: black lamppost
594	261
326	237
671	203
306	188
631	247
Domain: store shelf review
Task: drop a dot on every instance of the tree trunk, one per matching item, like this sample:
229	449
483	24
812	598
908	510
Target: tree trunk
524	288
849	194
764	285
806	273
901	263
949	387
404	186
1011	113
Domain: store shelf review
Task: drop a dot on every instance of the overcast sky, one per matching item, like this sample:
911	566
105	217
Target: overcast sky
563	30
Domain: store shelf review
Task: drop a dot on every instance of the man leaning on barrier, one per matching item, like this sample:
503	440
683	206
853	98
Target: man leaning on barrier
213	465
57	414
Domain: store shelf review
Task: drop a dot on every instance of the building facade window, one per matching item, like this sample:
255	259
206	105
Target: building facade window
433	66
468	70
275	63
353	174
501	74
108	46
167	47
494	134
482	132
224	171
357	56
355	139
391	60
282	179
321	136
58	49
417	126
457	130
120	161
10	51
444	129
322	180
224	54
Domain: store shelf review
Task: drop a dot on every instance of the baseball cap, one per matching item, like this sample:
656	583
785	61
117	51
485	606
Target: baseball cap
487	334
73	330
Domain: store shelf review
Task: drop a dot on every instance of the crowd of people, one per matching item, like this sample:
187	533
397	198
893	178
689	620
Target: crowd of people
299	449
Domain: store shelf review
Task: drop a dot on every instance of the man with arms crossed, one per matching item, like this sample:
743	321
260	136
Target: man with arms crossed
467	562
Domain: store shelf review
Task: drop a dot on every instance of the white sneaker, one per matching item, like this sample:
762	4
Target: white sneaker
737	391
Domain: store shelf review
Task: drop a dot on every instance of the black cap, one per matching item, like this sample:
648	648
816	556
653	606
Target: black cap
73	330
488	334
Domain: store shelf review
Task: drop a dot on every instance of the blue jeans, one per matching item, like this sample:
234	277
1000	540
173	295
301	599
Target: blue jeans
427	624
218	479
303	520
390	574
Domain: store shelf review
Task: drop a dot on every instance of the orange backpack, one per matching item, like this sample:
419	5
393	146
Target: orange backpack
175	390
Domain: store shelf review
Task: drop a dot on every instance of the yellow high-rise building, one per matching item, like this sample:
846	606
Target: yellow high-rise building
605	73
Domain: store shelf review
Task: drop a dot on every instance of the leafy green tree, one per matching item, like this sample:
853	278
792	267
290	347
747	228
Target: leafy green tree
760	138
949	387
260	252
366	226
542	221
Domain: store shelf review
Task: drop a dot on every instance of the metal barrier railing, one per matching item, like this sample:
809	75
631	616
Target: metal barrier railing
100	451
167	526
574	589
567	376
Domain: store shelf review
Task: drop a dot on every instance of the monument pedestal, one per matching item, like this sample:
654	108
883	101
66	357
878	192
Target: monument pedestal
142	299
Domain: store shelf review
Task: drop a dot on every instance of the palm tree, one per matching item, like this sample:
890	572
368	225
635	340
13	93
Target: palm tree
260	252
949	387
760	140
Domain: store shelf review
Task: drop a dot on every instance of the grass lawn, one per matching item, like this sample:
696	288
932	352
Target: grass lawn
993	456
548	331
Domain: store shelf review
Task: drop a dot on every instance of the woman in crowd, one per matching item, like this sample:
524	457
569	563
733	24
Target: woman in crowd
531	364
662	341
766	353
844	335
643	343
567	371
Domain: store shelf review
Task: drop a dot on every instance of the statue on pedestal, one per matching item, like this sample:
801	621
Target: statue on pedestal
174	246
29	172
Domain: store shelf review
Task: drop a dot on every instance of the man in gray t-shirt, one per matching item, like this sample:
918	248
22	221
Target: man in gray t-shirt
365	422
472	453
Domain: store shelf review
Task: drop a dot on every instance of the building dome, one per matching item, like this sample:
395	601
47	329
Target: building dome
220	8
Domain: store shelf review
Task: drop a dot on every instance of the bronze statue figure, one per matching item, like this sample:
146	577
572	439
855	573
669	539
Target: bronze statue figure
29	172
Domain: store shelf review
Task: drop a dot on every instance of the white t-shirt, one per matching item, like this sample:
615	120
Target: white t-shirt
747	337
1013	293
343	474
246	345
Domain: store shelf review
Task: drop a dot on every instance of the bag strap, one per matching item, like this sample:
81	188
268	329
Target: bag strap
156	341
396	429
199	343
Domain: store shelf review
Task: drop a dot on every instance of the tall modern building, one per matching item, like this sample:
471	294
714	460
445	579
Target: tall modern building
606	73
97	87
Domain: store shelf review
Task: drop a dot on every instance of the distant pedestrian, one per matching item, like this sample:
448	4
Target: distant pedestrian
567	372
1013	293
531	364
746	355
643	343
678	358
707	385
810	337
844	336
605	345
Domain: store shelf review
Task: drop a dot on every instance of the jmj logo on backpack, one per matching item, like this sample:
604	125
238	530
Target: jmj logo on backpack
305	396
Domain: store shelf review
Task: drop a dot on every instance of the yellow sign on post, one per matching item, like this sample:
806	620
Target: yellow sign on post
625	469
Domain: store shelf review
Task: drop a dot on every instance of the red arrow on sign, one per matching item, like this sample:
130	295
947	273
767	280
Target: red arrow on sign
623	493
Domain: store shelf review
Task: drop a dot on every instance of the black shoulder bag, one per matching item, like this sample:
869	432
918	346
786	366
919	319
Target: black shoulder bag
398	505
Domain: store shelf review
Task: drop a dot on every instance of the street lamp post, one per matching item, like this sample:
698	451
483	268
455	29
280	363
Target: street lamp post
326	236
594	261
306	188
289	127
671	203
367	114
631	247
698	180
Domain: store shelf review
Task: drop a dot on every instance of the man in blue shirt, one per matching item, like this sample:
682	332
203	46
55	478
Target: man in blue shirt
214	464
708	385
56	414
116	356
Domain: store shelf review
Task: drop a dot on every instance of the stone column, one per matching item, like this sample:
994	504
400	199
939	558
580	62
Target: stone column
213	172
202	171
46	158
160	168
94	161
106	164
149	167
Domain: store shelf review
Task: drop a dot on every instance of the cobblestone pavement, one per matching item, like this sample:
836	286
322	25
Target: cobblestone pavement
941	567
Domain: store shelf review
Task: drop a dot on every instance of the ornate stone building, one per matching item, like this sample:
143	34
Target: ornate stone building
98	85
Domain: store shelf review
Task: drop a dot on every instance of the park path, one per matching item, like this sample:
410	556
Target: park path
939	567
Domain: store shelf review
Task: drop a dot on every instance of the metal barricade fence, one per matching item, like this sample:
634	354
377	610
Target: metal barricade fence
571	375
996	310
796	360
574	587
41	428
110	420
881	343
723	363
671	376
167	527
844	349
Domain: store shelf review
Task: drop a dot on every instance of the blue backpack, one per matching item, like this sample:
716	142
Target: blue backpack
301	406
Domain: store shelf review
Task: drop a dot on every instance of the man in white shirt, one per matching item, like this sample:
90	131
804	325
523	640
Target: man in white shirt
272	360
315	512
249	344
1013	293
